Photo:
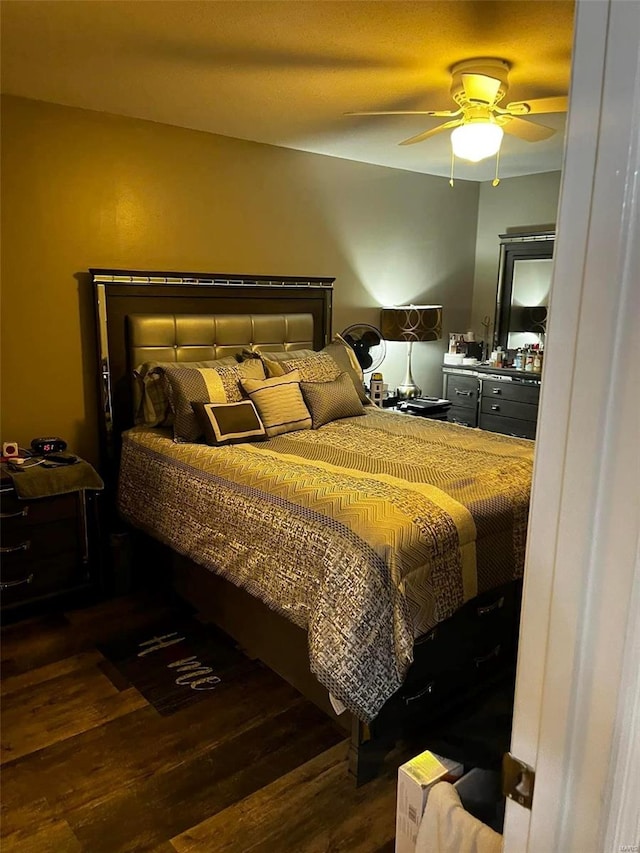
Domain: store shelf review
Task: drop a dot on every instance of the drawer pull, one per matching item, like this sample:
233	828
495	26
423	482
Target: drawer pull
428	638
496	390
495	408
424	692
479	661
463	393
489	608
11	549
20	514
9	584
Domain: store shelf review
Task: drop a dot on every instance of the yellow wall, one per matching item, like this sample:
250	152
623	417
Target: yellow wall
83	189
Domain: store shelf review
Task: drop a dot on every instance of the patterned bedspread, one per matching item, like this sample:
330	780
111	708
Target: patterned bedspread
366	532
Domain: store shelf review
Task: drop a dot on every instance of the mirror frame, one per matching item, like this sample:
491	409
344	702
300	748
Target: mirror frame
516	247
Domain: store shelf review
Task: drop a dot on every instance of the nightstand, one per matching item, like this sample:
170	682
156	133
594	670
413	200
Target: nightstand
49	549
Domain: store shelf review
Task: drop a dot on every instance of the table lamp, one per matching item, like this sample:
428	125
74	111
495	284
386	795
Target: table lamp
411	323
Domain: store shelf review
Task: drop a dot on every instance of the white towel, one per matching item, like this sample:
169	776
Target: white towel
447	828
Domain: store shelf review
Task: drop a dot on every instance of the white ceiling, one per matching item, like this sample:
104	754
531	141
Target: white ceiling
284	73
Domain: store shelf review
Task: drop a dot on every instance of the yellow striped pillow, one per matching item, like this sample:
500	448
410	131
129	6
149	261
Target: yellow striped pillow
279	403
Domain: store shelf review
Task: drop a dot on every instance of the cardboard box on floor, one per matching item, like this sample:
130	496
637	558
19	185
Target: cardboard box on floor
414	780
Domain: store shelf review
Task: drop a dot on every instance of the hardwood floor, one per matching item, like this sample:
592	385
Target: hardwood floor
89	765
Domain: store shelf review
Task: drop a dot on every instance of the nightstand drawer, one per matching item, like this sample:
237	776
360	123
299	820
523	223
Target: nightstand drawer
37	511
28	542
39	579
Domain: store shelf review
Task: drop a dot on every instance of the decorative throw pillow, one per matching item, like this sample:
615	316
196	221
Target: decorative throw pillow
318	367
275	355
205	385
229	423
279	403
151	403
345	358
330	401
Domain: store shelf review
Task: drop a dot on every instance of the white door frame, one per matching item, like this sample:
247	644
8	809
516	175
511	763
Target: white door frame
577	703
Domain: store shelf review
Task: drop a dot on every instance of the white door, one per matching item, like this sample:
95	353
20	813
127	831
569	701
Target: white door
577	706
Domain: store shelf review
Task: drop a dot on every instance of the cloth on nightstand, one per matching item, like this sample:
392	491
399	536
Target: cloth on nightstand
36	481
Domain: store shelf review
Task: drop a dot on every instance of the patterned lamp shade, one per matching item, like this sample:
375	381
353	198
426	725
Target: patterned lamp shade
411	323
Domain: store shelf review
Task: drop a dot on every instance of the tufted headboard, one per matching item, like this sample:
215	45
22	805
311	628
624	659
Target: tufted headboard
197	337
150	316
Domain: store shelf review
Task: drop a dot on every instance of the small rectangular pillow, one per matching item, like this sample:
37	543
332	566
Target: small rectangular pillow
229	423
205	385
330	401
151	403
279	403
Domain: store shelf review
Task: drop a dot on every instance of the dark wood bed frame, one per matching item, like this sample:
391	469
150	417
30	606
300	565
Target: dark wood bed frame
458	660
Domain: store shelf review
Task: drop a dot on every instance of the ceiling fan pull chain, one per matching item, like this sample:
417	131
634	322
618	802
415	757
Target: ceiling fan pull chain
496	180
453	158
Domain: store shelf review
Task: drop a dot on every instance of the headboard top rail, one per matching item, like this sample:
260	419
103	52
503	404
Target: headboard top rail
207	279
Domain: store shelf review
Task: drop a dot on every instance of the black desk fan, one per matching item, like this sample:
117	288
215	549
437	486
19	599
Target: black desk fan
370	349
368	344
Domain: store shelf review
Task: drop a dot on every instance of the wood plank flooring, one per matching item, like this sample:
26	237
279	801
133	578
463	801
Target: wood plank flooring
89	765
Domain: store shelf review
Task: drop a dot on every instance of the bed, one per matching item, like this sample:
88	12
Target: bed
374	562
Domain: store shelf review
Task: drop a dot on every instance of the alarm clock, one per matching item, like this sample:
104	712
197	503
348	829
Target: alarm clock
46	445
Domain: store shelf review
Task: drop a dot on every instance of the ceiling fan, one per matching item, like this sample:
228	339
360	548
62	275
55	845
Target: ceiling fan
478	86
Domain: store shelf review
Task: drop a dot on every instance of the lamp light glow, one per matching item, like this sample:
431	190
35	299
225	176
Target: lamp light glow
476	140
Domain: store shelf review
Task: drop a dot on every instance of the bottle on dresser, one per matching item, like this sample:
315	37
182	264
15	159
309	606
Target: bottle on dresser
528	360
518	360
537	359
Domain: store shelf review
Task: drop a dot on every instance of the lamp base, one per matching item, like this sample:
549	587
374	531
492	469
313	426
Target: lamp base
407	392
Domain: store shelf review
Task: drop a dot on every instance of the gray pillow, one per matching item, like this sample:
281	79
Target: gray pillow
330	401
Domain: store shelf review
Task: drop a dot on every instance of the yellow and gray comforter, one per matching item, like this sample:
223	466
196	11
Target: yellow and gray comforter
366	532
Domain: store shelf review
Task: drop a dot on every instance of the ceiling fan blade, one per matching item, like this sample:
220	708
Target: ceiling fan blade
420	137
539	105
480	88
439	113
526	130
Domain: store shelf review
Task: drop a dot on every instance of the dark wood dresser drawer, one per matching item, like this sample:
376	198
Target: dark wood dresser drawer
463	416
509	408
462	391
508	426
516	391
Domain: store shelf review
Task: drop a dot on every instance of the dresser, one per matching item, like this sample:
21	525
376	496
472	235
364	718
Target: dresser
48	548
499	400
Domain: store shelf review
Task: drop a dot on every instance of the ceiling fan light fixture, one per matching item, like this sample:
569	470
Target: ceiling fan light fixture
475	141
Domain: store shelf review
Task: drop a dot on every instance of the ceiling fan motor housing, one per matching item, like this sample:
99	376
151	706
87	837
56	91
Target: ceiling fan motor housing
464	90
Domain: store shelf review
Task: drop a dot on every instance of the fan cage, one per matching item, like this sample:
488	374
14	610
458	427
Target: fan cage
356	333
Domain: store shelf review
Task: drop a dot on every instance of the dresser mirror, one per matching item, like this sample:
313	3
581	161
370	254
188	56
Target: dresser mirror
523	289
